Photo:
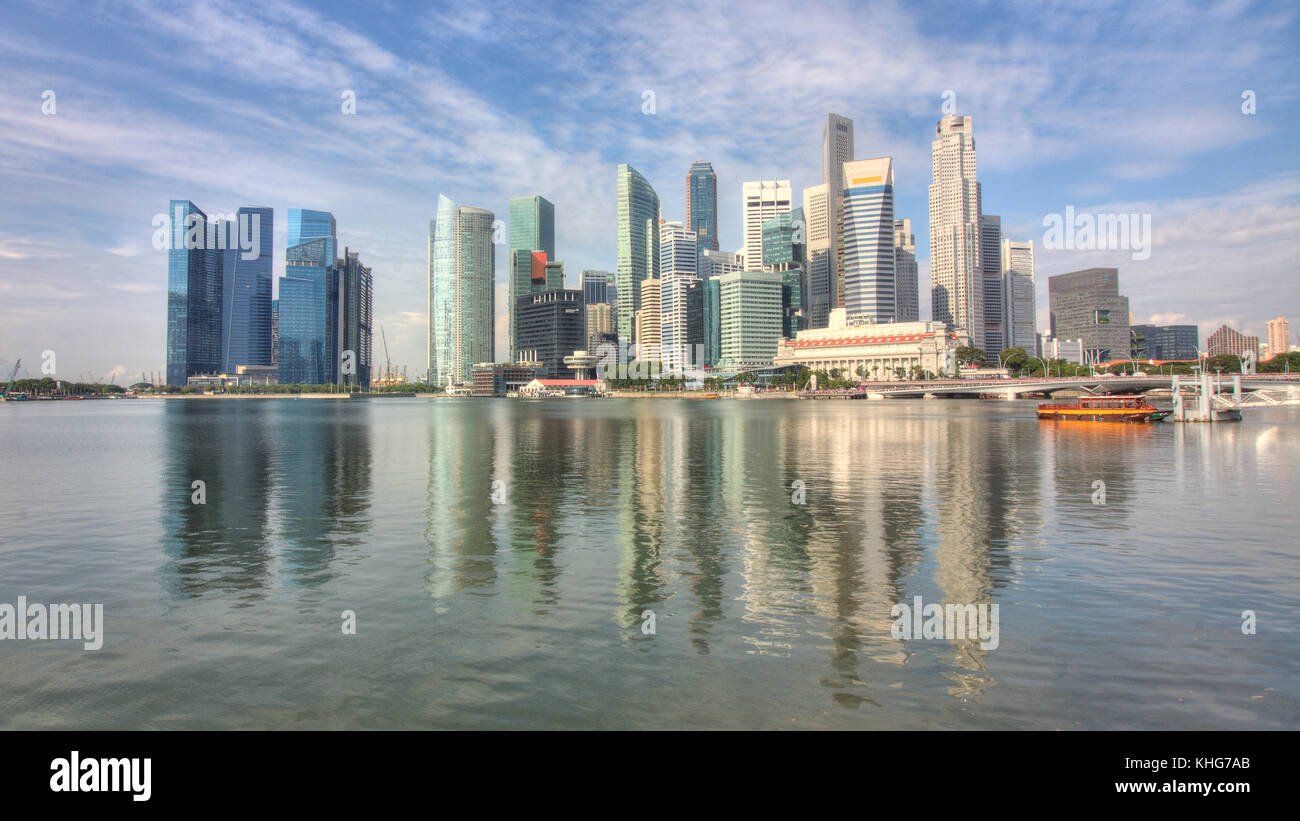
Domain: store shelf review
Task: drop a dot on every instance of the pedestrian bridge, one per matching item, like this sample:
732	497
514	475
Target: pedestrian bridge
1273	388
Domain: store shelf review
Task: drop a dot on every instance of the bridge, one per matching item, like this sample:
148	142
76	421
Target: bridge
1261	389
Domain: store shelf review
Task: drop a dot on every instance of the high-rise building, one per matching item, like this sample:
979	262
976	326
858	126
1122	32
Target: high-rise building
702	204
784	244
749	318
819	267
995	336
1019	295
1231	342
649	319
461	273
308	310
907	294
956	278
837	149
552	325
717	263
530	272
356	306
1086	305
711	316
305	224
246	268
638	243
678	249
1165	342
760	200
867	231
532	225
193	296
600	326
678	258
1279	336
595	286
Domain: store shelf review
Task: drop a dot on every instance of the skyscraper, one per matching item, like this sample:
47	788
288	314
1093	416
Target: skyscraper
867	229
305	224
1227	341
760	200
678	255
837	149
649	319
750	318
995	338
1086	305
1020	296
638	243
956	279
532	225
595	286
906	286
193	296
820	254
702	204
552	325
308	311
530	272
1279	333
461	272
356	306
246	290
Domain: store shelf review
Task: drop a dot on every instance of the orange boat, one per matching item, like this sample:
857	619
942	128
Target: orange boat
1103	409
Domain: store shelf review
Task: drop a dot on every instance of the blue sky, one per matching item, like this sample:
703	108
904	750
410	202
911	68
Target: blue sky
1106	107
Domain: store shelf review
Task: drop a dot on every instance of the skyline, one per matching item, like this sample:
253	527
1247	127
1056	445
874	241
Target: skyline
484	126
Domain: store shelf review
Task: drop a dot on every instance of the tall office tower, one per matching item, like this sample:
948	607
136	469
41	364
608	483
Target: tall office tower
956	280
1229	342
837	149
1279	333
749	318
600	326
711	319
995	331
275	331
461	272
702	204
305	224
356	307
532	225
783	252
246	289
649	320
907	292
530	272
819	266
1086	305
1021	301
792	291
595	286
193	296
760	200
717	263
867	220
678	249
308	320
638	243
552	325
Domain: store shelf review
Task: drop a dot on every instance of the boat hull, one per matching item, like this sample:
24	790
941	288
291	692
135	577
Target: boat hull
1102	415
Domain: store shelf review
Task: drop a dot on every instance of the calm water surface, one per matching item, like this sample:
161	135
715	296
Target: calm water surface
768	614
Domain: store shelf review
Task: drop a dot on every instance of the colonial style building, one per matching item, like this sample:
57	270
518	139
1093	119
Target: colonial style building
877	349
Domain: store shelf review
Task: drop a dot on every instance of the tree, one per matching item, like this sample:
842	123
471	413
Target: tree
967	355
1014	359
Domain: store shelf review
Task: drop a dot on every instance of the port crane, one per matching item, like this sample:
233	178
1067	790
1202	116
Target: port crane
9	390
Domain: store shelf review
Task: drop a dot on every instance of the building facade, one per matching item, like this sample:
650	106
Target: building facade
872	352
552	325
1279	336
907	295
1086	305
760	201
1020	296
819	256
1228	341
995	335
532	225
638	244
867	239
837	149
702	204
956	281
749	318
246	289
1165	342
193	296
461	274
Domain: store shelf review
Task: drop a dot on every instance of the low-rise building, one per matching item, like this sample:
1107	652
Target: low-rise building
872	351
496	379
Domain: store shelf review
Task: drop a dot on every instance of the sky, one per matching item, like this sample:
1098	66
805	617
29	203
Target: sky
1103	107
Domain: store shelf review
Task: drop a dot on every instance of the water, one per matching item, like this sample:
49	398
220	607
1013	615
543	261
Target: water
528	614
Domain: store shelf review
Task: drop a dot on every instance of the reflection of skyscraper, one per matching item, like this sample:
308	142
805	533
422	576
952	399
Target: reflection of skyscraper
638	244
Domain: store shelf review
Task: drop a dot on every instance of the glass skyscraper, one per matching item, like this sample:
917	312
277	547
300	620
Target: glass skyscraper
867	216
246	290
308	302
193	296
305	224
702	204
532	225
638	243
461	288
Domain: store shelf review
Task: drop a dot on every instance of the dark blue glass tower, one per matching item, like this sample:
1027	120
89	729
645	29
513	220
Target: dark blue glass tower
246	290
193	296
702	204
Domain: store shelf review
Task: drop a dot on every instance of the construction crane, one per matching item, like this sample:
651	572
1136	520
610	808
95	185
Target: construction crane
12	374
388	365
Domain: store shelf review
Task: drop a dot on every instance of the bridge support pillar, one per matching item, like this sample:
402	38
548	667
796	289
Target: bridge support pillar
1011	395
